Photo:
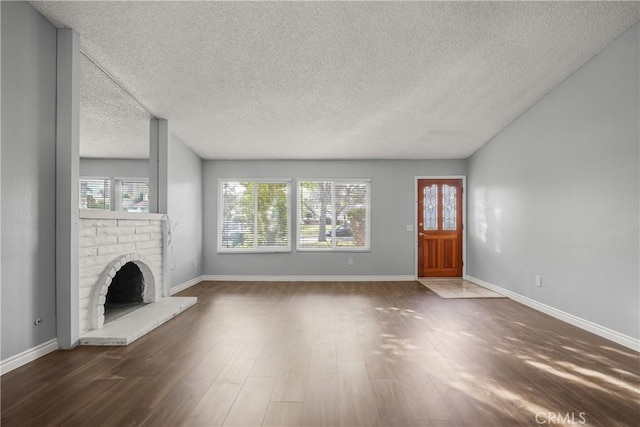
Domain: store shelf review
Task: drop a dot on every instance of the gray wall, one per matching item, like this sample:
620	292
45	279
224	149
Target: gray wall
392	198
28	178
185	212
119	168
556	194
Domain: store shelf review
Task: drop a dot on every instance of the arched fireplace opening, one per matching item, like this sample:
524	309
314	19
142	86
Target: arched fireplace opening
126	292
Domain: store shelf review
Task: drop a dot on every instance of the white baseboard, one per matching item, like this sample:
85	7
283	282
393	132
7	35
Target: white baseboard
323	278
579	322
181	287
27	356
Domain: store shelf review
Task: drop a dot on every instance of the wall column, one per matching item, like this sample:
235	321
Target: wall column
159	186
67	181
158	165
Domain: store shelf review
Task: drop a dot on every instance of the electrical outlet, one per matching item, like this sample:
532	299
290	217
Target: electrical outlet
350	261
538	281
409	227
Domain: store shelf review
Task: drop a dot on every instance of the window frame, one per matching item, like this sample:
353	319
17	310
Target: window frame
255	249
95	178
116	183
115	190
334	181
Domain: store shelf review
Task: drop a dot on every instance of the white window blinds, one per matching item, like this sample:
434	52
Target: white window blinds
134	195
254	216
95	193
334	215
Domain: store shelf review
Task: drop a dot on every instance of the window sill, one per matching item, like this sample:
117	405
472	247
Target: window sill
252	251
103	214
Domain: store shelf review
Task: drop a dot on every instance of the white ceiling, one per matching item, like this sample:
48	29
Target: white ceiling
338	80
112	124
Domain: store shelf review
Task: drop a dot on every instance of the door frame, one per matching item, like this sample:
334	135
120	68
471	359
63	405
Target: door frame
464	218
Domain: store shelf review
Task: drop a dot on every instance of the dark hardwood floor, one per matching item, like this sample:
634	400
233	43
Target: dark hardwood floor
335	354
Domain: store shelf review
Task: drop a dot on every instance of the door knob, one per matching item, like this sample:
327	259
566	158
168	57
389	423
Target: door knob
420	234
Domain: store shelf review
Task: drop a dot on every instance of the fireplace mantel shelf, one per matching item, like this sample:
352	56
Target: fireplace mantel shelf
100	214
131	326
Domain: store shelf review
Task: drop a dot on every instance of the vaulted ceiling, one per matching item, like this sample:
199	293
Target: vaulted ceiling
329	80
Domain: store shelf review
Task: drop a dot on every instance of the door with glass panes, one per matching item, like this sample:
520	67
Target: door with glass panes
439	228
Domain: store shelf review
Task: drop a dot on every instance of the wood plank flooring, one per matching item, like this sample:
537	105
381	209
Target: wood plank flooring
335	354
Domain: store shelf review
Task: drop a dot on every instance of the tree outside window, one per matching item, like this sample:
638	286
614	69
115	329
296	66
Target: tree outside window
333	215
254	216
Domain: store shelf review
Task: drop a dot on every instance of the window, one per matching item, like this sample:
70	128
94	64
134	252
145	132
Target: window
120	194
133	195
449	207
95	193
334	215
430	214
253	216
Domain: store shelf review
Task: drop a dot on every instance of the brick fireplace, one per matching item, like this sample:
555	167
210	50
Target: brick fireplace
108	241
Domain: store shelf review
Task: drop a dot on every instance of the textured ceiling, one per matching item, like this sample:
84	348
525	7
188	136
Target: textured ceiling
338	80
112	124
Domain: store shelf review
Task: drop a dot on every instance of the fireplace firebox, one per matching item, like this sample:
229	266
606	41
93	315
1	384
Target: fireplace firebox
126	292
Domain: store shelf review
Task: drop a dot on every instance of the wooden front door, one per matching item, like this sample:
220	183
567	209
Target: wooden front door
439	228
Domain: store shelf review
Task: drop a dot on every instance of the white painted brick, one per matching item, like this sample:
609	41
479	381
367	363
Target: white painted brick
101	261
134	238
99	222
104	290
88	251
85	325
132	222
154	251
115	248
151	257
86	292
155	257
109	243
86	318
87	232
98	241
86	263
152	244
147	229
84	305
157	236
155	266
87	283
92	272
115	231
